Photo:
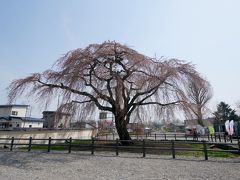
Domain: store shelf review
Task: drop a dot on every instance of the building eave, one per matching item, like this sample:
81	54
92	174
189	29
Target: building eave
13	105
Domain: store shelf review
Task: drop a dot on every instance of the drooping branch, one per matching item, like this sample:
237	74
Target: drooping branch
82	93
82	102
160	104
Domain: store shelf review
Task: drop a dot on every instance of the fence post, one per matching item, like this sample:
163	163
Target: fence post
211	138
117	147
106	136
30	144
208	137
205	150
70	145
12	141
175	136
173	149
92	150
155	137
186	137
113	136
146	135
238	144
49	144
215	137
143	148
224	136
165	137
219	137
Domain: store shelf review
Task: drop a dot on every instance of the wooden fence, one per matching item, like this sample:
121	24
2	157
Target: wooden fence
217	137
136	146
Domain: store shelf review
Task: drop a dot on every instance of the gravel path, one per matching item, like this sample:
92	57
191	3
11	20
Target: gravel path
37	165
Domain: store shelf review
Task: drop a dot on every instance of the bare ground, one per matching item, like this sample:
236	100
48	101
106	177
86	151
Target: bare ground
60	166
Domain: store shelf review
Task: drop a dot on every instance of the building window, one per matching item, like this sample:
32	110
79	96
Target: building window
103	115
15	113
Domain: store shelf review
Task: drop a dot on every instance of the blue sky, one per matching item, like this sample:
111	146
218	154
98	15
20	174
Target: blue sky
34	34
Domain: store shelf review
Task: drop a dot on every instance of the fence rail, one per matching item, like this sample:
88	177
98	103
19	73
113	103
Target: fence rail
217	137
136	146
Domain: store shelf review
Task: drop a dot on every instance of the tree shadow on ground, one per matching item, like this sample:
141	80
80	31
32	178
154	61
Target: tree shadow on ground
24	160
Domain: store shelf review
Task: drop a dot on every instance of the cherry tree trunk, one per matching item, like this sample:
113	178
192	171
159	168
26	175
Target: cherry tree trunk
121	126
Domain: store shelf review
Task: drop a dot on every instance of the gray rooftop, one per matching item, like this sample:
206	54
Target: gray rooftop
13	105
9	118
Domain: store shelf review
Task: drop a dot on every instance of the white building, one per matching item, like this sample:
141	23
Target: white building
13	110
15	117
11	123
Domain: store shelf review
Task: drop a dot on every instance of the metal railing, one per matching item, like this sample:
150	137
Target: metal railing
217	137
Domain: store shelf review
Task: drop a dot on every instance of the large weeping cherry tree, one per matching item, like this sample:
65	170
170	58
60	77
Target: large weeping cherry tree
111	77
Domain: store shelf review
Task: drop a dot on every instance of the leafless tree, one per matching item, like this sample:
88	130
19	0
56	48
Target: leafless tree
111	77
199	92
237	106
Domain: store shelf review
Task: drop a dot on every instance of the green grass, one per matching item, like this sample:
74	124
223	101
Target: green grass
223	154
83	142
59	146
212	154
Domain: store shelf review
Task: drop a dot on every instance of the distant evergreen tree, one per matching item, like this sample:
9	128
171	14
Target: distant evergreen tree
225	112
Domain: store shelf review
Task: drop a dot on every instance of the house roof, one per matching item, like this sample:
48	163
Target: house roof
5	118
13	105
48	112
30	119
55	112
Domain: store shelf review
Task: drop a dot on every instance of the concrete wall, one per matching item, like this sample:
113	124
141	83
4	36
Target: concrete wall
15	121
45	134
